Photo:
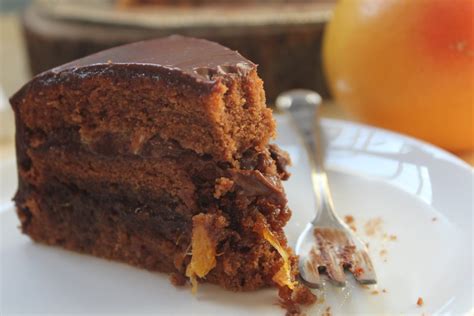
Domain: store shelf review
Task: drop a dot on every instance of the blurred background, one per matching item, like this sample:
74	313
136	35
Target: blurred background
402	65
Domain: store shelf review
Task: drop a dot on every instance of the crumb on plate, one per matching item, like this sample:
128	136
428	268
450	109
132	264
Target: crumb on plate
292	300
373	226
350	221
327	311
420	301
358	271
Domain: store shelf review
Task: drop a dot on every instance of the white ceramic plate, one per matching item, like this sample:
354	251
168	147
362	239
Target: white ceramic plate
408	190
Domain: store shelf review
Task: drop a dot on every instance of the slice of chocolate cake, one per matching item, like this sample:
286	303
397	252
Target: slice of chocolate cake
156	154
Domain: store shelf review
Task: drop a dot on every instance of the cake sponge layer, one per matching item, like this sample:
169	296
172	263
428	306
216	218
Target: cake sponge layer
151	236
216	109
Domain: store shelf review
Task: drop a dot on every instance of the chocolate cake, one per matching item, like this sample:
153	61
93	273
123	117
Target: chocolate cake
157	154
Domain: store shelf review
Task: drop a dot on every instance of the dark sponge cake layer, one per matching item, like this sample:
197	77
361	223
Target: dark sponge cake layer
159	166
120	229
77	221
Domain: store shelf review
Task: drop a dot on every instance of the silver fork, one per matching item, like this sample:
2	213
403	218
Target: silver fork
327	245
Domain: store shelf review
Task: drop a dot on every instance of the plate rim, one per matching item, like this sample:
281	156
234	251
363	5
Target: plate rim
452	157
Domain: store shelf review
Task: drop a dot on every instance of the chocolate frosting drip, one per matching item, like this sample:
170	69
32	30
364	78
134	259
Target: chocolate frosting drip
254	183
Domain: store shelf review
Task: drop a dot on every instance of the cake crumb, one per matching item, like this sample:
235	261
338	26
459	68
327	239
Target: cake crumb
420	302
327	311
375	292
302	295
393	237
373	226
177	279
358	271
294	311
291	300
223	185
383	252
384	291
350	221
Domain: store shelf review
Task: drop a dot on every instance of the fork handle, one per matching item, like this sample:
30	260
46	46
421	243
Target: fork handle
304	111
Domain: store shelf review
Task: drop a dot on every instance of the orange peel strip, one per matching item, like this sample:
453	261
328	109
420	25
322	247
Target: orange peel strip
283	276
203	257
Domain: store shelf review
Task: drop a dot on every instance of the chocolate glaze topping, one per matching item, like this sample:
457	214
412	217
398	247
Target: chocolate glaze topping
194	57
177	58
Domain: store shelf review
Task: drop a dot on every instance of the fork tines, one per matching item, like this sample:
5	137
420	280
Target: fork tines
333	252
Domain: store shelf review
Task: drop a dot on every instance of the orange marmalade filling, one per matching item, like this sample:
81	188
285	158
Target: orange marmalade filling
203	246
283	277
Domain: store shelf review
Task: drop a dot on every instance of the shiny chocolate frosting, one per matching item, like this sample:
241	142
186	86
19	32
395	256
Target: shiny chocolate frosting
194	57
192	61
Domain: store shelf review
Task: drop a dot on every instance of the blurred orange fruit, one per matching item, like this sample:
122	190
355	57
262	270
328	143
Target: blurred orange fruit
405	65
